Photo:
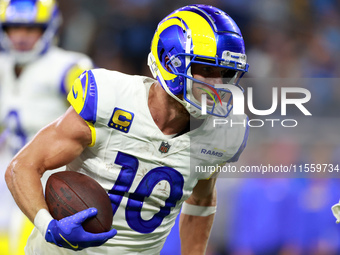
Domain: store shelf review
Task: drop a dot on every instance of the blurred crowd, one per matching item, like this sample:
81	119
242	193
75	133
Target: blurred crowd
294	38
294	42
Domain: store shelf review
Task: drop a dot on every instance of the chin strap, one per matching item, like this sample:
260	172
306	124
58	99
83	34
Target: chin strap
193	110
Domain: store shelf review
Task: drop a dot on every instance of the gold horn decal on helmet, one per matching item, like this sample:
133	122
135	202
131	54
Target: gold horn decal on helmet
203	37
44	10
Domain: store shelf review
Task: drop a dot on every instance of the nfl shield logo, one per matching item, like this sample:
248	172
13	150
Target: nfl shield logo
164	148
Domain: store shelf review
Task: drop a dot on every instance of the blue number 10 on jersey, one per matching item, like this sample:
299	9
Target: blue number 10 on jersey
135	203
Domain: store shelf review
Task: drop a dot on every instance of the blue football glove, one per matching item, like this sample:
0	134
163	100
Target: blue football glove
69	233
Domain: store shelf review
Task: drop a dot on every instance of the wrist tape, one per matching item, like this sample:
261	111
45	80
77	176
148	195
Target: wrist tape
42	220
197	210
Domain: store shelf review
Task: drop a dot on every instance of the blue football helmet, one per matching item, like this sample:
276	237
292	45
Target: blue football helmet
34	13
199	34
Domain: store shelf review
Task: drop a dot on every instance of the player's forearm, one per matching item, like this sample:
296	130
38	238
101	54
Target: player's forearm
26	188
197	217
54	146
194	233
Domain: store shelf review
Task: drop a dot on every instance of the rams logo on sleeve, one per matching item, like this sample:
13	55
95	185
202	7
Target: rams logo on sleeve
76	96
121	120
83	96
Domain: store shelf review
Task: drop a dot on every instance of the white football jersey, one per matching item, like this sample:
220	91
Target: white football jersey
38	95
150	174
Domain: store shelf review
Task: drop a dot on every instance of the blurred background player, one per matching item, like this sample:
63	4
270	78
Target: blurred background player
35	76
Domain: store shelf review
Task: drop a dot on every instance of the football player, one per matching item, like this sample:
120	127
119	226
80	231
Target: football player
35	77
145	141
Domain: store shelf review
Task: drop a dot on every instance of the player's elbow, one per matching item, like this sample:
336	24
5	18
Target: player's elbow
12	174
9	175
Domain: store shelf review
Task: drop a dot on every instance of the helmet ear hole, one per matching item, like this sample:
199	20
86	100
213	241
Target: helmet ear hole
166	59
161	53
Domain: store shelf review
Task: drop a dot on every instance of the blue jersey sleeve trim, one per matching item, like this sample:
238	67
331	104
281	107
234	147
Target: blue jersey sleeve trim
89	111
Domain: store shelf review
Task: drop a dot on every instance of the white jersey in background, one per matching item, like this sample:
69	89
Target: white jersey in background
38	96
149	173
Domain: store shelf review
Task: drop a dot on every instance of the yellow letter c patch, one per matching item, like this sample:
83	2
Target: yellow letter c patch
121	120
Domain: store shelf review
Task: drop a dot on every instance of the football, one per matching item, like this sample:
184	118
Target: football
69	192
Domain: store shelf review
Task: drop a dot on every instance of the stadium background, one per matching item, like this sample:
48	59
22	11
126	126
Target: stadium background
285	40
